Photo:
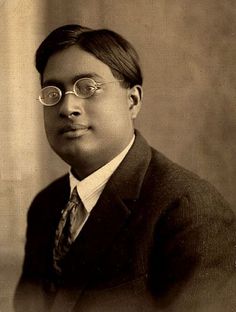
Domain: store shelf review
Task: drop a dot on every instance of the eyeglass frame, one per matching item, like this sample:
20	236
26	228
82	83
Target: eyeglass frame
61	94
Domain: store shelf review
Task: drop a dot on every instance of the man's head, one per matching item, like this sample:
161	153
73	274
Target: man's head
88	130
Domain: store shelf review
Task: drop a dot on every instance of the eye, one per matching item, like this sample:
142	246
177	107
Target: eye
52	95
89	88
86	89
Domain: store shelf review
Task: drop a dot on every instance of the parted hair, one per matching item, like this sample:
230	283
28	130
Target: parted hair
106	45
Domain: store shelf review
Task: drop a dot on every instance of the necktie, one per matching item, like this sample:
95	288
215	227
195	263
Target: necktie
73	217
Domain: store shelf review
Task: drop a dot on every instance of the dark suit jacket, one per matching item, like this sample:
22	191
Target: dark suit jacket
159	239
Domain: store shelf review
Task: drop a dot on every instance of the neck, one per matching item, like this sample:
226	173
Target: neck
83	171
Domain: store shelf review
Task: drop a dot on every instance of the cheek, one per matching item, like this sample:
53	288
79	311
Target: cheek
118	114
49	117
113	123
109	110
49	124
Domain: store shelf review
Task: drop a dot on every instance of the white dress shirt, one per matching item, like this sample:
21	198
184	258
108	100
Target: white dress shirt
90	188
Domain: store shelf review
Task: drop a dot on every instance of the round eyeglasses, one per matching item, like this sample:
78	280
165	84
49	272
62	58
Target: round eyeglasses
82	88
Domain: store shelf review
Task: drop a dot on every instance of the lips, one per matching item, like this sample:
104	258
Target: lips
73	131
68	128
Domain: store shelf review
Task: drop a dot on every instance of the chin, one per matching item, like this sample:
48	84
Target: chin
75	154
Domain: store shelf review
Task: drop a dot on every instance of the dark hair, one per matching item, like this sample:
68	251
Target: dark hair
106	45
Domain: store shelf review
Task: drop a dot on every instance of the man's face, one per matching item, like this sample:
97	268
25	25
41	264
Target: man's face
86	133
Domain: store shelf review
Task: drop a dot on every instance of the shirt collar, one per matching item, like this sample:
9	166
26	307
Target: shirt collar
93	185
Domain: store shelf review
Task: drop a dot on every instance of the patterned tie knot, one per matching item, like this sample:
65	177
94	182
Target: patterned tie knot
74	196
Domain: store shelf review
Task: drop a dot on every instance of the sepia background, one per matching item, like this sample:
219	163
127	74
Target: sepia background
188	53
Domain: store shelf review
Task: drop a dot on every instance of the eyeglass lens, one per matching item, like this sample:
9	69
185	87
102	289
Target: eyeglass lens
85	87
50	95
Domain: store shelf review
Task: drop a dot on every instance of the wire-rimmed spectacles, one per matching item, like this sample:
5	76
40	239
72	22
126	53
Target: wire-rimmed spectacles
82	88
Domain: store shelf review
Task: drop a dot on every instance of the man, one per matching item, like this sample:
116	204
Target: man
126	229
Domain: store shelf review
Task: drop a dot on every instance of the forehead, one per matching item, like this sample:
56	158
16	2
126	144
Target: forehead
74	62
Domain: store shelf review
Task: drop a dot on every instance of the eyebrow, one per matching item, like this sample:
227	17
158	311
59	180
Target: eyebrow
56	82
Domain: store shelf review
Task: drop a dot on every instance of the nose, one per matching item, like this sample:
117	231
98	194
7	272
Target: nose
70	106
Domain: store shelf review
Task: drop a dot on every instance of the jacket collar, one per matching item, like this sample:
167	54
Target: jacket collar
127	180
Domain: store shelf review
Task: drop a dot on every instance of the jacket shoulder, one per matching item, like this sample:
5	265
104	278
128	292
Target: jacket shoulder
55	193
178	180
59	184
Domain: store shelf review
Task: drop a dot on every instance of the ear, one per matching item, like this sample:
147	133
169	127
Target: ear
135	96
